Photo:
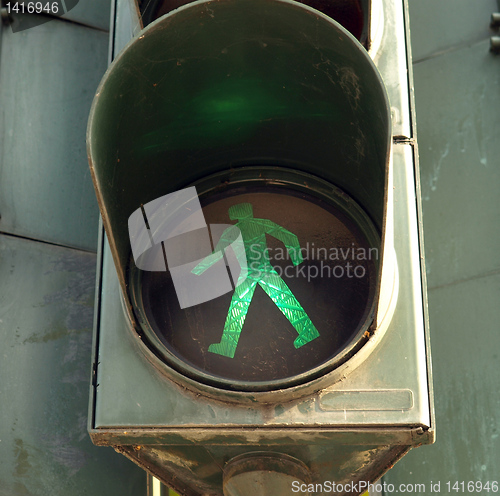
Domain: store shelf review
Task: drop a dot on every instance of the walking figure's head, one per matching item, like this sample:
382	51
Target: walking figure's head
241	211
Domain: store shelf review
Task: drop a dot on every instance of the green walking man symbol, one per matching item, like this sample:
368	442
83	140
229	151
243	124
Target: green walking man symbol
258	271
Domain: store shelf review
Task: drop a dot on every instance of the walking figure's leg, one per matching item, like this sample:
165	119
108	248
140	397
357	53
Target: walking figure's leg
236	314
285	300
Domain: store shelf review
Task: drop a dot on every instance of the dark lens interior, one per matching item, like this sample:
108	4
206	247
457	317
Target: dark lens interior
334	285
348	13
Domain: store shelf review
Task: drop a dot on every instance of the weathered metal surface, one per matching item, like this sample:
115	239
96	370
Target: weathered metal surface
266	472
457	95
48	78
391	61
126	24
459	163
46	310
439	27
195	470
239	435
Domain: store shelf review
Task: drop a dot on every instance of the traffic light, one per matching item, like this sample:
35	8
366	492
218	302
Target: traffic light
264	313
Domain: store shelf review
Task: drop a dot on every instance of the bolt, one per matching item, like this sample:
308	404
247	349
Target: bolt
495	44
495	20
6	18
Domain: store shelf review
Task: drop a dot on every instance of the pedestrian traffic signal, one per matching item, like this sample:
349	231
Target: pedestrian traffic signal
241	155
283	270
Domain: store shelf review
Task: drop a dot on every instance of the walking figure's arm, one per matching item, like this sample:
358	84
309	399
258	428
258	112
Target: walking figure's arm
228	236
289	239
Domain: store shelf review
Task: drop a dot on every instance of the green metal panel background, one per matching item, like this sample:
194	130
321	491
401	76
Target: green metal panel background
457	98
46	311
439	26
94	13
48	76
